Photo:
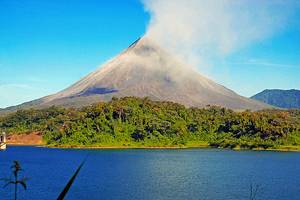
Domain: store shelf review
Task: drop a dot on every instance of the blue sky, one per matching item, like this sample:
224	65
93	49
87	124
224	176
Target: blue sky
47	45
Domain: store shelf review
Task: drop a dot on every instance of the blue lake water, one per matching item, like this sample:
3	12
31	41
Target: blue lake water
204	174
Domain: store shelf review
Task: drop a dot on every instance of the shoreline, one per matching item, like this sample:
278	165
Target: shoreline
280	149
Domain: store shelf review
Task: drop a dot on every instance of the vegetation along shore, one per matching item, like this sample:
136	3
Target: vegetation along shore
141	123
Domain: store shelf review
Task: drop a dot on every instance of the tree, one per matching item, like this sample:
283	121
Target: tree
16	169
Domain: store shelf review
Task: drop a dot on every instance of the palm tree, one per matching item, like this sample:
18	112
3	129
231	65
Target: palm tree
16	168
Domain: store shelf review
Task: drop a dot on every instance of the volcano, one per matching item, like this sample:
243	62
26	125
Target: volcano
145	69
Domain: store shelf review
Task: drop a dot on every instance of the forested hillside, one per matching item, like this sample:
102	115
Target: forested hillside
280	98
136	122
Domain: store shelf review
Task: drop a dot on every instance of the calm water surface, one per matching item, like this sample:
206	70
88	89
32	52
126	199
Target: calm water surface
204	174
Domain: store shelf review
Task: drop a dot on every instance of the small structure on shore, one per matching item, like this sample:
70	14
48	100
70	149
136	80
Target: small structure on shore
2	141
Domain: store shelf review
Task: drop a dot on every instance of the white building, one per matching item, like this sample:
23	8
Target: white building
3	141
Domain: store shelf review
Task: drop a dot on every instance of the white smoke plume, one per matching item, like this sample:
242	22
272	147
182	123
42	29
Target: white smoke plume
201	30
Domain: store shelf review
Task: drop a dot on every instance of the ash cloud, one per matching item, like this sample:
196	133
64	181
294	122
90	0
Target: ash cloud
198	31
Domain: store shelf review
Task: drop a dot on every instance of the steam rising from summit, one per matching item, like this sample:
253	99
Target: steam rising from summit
200	30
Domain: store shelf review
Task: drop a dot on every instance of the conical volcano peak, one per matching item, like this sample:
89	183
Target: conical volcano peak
134	43
145	69
144	45
141	54
143	41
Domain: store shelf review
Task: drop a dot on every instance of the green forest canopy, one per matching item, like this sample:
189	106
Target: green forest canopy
135	122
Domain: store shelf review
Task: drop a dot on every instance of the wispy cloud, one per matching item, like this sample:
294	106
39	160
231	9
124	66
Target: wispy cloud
16	93
15	85
263	63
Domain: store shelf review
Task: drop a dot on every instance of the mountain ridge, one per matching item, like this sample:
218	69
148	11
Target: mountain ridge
279	98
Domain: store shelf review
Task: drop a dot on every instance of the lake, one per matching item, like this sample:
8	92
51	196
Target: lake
204	174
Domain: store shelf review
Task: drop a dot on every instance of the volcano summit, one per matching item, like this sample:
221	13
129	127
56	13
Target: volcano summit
145	69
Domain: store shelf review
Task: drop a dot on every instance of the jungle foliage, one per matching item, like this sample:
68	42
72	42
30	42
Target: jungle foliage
140	122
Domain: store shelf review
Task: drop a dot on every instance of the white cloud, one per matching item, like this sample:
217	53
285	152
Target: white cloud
199	31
